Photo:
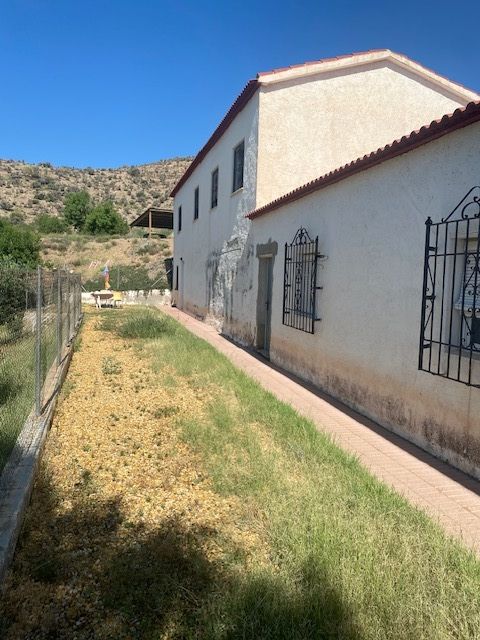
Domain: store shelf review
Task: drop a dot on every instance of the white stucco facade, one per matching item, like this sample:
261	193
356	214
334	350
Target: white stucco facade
208	250
371	229
299	123
332	118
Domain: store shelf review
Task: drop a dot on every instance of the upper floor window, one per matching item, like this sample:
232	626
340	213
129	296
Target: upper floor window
238	162
196	203
179	222
214	194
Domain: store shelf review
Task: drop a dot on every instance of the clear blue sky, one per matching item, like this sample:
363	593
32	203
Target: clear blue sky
111	82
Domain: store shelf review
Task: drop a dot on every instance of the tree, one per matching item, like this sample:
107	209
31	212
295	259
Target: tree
19	250
19	245
104	218
77	206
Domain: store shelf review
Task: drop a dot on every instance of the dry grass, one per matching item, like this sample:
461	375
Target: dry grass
88	255
177	499
125	537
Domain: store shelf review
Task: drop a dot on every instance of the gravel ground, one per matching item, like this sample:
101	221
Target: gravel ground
124	537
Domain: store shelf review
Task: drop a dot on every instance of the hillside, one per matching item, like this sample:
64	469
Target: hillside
33	189
135	262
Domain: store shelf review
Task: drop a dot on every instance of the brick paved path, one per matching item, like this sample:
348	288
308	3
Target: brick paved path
450	496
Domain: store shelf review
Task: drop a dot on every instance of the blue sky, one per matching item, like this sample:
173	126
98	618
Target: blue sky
110	82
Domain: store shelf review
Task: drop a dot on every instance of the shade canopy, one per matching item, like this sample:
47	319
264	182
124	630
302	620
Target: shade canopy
154	218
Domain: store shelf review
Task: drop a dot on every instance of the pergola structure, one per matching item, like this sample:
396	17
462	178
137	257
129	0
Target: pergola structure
154	218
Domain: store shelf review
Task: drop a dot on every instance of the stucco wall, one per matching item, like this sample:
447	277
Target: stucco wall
336	118
293	132
210	251
365	348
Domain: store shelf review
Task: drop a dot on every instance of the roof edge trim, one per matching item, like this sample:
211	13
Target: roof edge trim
242	100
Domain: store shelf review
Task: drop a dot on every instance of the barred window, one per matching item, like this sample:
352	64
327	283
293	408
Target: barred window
450	315
300	282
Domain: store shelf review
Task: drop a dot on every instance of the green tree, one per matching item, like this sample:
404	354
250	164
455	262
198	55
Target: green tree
77	206
19	245
19	250
51	224
105	219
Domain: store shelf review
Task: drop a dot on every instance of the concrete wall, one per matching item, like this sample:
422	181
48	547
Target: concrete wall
365	348
331	119
209	252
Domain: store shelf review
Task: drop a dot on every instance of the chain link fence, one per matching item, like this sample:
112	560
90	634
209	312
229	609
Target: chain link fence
39	314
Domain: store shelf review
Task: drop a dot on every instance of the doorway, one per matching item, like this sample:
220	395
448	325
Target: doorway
264	304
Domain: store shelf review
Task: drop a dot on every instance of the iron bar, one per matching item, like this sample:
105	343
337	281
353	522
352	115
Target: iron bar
450	294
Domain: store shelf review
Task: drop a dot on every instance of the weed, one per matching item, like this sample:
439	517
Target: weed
165	412
111	366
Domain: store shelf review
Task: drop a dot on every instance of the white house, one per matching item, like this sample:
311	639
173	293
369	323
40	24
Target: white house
287	127
355	293
301	231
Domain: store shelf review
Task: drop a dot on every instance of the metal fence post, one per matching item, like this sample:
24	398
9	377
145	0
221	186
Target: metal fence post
67	297
38	346
77	304
59	317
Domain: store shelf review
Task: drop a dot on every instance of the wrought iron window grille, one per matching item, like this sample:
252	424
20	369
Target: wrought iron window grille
300	282
450	316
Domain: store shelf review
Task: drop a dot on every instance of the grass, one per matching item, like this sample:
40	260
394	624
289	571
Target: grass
347	557
17	388
17	383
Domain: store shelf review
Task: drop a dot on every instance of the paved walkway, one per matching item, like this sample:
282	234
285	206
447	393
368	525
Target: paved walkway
450	496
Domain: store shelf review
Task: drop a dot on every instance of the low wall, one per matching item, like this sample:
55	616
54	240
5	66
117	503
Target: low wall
152	297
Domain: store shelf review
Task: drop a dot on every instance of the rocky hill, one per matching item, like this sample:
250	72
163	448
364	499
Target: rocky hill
33	189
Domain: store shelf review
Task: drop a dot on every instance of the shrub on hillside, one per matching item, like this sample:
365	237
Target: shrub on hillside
51	224
12	299
19	245
76	209
17	217
19	250
128	278
105	219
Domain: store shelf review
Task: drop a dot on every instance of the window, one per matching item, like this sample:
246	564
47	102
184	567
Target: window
195	204
238	161
214	194
476	331
450	316
176	278
300	282
179	222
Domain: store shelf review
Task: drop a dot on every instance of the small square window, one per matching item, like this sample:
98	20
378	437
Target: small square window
238	162
196	203
179	223
214	194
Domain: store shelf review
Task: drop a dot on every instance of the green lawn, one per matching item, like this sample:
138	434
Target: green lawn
347	557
